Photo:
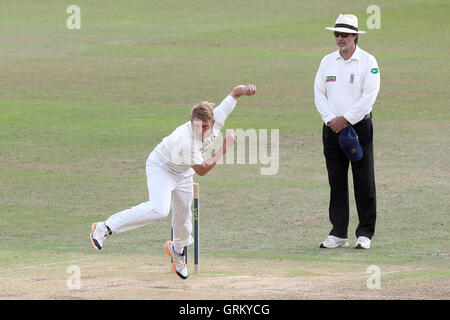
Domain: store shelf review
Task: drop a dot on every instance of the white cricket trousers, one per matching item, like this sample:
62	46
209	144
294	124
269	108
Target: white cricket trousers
166	190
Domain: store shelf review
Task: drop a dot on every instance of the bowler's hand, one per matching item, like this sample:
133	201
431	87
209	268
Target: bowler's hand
338	124
228	141
241	90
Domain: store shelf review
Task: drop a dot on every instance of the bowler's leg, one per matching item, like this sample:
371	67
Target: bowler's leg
160	186
182	214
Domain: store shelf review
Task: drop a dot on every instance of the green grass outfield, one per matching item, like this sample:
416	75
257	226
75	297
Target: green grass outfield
80	110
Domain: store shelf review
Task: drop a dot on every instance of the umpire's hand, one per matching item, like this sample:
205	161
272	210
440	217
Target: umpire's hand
338	124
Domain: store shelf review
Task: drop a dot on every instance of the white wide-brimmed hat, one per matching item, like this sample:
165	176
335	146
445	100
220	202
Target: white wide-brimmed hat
347	23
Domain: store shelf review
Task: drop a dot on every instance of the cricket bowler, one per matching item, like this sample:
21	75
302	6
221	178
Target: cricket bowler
170	168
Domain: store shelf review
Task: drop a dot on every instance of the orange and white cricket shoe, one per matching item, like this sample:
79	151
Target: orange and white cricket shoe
178	260
99	233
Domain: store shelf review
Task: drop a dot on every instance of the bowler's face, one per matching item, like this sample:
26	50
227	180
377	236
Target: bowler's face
201	128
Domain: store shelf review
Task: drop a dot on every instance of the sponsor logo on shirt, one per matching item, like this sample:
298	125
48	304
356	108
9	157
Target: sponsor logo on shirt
331	78
352	78
374	70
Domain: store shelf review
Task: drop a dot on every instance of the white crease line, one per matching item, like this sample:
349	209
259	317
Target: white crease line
45	265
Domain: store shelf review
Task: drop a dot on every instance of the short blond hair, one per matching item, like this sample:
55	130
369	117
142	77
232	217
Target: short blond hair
203	111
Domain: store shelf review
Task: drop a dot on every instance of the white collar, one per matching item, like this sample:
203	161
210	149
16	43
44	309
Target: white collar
355	56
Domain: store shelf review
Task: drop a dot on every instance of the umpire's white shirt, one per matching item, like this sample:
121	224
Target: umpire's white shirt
346	88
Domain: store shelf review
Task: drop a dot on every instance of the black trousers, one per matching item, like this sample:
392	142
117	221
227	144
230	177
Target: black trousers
363	182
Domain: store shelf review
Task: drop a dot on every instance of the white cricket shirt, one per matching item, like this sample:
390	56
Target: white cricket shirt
346	88
181	150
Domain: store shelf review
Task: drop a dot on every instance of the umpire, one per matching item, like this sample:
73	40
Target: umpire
345	89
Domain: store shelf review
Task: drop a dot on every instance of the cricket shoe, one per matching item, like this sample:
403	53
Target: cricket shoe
334	242
362	243
178	260
99	233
